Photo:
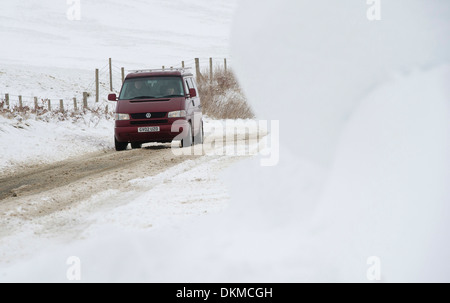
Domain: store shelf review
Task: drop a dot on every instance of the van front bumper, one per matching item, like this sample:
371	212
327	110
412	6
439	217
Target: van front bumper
124	132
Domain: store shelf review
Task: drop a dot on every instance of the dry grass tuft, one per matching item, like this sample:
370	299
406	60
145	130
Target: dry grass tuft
222	97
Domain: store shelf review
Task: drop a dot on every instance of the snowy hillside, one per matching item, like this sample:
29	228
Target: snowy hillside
134	33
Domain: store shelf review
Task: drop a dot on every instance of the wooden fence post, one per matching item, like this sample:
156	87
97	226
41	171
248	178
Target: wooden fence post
75	107
110	75
61	105
97	85
49	105
198	75
7	100
210	69
35	103
85	96
20	102
182	64
123	74
225	64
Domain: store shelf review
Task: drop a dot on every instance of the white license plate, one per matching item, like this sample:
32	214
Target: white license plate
148	129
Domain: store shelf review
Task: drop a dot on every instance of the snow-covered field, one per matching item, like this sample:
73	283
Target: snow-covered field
360	192
135	34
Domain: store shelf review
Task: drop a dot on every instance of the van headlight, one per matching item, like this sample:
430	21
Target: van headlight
122	117
177	114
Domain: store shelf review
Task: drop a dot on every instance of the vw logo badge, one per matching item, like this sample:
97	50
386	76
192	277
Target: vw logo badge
148	115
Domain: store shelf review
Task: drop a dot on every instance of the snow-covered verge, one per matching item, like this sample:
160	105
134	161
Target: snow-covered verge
46	139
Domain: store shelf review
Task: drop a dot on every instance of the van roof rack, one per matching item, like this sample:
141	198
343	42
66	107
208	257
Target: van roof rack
170	69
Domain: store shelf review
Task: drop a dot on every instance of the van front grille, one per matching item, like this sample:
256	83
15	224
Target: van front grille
144	115
149	122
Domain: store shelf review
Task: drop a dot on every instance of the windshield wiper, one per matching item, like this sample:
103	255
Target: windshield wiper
143	97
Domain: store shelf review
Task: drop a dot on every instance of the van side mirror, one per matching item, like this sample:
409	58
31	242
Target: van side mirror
192	92
112	97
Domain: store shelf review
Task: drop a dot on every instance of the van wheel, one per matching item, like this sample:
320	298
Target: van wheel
135	145
187	141
199	138
120	145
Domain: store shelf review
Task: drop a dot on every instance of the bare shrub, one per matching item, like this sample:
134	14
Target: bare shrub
222	97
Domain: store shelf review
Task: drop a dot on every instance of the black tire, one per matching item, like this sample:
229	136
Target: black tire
187	141
200	137
135	145
120	145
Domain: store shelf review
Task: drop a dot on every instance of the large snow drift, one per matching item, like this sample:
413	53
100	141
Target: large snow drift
368	101
309	63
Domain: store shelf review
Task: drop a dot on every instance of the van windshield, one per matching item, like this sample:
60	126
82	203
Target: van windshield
152	88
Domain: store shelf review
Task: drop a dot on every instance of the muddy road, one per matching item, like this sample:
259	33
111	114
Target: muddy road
46	189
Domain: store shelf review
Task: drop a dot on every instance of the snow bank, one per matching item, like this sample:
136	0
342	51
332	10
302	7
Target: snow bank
318	60
368	102
387	194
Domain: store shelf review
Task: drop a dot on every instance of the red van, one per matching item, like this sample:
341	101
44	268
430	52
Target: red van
158	106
